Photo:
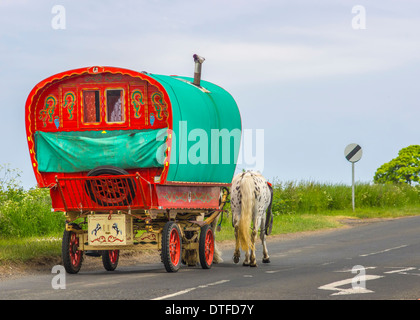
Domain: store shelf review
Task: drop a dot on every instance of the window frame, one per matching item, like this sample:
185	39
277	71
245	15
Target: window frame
98	110
123	105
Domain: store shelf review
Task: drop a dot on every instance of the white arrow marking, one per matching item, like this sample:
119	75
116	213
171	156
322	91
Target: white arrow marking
334	286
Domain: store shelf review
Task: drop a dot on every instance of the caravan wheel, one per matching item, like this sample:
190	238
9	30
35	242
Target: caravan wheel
171	247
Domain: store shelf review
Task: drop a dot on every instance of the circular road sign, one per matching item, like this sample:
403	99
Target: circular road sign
353	152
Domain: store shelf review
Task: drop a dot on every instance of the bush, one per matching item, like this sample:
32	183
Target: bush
403	169
25	213
28	213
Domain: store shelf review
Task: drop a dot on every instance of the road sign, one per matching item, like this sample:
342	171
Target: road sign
353	152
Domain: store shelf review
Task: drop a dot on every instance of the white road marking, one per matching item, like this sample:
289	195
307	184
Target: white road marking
275	271
350	270
401	270
341	291
386	250
190	289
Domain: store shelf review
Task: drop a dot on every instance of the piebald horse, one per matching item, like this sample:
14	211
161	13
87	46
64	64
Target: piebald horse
251	196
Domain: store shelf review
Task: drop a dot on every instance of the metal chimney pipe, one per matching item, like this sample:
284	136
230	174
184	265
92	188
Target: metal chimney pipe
197	69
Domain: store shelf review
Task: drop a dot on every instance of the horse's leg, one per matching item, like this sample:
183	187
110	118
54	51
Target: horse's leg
253	260
266	257
256	225
237	252
235	221
246	261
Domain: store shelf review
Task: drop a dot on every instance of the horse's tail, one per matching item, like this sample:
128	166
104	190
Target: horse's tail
247	187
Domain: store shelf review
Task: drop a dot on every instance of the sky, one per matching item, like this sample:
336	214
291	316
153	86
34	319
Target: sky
309	77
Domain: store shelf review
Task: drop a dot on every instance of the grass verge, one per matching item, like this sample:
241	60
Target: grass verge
21	250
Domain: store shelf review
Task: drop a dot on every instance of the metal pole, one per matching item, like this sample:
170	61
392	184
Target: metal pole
352	184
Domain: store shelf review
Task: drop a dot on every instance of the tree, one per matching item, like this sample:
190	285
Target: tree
403	169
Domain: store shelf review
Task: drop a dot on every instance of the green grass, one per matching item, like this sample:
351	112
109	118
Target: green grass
25	249
284	224
302	222
313	197
28	228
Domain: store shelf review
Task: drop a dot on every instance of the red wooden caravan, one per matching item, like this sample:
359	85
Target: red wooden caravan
123	154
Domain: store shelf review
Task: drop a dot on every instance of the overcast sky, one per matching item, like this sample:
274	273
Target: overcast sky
313	75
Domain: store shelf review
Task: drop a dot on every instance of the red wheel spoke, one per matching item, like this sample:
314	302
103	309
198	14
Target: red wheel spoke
113	255
209	247
75	255
174	247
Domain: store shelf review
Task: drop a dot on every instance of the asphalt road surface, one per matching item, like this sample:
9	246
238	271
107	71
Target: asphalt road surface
378	260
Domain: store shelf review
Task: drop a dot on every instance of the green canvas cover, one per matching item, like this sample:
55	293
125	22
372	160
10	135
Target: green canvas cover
207	127
79	151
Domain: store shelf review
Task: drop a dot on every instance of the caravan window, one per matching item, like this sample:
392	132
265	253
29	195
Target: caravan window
114	105
91	106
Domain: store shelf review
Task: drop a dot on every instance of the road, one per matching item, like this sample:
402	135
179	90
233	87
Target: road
315	266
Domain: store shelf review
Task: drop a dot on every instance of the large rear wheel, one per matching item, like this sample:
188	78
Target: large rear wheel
171	247
206	247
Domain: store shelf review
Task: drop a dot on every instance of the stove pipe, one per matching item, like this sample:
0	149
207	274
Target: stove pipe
197	69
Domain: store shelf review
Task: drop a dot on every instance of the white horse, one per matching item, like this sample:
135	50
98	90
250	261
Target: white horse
251	196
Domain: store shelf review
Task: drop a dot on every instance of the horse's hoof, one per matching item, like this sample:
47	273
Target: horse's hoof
253	265
235	259
266	260
245	264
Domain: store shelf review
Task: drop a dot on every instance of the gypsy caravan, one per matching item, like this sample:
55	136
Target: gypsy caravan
135	161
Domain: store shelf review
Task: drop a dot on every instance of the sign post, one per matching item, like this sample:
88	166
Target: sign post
353	153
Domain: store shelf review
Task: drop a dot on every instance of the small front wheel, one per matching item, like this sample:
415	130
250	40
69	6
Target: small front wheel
110	259
206	247
171	247
72	257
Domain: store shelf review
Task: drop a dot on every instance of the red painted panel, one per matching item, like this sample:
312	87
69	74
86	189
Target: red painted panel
106	192
188	197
